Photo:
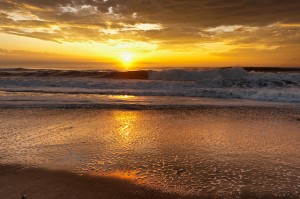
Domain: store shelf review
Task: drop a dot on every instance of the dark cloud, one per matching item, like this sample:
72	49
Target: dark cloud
210	13
204	13
183	22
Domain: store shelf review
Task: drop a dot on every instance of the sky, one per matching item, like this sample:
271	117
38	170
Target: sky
134	34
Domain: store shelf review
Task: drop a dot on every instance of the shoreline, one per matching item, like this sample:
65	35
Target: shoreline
130	102
295	109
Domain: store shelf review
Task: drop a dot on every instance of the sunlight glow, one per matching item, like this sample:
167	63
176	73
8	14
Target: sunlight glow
127	60
126	122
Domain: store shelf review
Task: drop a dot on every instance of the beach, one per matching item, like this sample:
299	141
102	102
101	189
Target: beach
149	99
207	152
18	182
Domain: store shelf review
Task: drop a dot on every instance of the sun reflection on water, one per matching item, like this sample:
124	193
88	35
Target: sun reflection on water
125	122
124	175
129	175
122	97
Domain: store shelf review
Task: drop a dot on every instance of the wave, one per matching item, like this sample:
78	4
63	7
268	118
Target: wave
229	83
290	95
167	75
22	72
198	75
230	77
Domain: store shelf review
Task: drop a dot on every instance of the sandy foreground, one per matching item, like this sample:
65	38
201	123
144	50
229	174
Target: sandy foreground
236	152
18	182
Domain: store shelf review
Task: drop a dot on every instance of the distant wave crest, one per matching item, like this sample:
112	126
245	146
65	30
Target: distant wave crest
214	83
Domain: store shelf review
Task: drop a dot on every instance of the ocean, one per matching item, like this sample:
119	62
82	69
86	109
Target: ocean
176	133
148	88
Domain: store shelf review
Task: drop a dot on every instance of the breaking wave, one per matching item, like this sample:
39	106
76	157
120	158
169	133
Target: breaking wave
228	83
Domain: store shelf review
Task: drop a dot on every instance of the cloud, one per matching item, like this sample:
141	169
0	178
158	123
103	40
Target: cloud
21	58
169	22
81	10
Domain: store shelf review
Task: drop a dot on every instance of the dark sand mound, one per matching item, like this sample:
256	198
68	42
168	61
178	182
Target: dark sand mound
17	182
32	183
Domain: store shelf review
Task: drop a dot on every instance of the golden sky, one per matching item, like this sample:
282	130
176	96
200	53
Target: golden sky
149	33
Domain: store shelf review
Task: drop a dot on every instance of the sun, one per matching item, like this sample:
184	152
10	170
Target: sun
127	59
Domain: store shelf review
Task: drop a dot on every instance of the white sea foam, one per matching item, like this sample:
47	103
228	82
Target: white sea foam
232	83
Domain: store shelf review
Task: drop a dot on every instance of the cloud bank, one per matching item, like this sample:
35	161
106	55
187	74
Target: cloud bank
251	26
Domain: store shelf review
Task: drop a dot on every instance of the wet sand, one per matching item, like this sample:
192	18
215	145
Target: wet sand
36	183
233	152
33	183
